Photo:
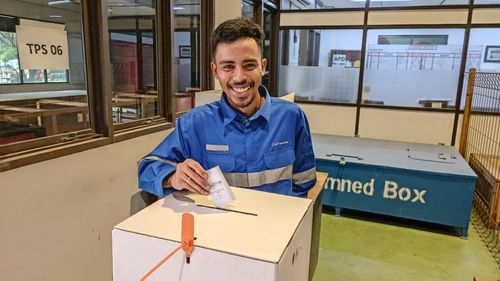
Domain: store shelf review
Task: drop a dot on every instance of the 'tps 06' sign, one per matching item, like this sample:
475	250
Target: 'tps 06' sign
42	45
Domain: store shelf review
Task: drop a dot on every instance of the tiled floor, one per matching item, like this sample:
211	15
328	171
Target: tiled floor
362	249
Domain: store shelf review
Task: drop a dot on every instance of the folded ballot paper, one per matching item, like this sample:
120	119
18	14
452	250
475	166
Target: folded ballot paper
220	193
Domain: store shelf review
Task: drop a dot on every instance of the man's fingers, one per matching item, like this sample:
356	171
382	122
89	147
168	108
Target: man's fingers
196	172
195	166
190	175
195	180
183	181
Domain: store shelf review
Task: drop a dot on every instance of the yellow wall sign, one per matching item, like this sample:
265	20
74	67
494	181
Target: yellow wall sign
42	45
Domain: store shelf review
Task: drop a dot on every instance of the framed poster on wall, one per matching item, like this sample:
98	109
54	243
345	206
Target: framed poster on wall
184	51
346	58
492	54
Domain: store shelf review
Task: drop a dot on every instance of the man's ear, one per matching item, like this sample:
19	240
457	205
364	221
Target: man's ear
263	62
213	66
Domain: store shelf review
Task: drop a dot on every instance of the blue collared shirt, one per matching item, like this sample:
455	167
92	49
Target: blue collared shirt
269	151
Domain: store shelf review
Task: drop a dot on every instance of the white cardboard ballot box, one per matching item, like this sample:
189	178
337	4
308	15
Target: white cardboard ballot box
265	237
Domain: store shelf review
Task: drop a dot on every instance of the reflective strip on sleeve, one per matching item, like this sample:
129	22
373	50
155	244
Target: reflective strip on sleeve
305	176
259	178
156	158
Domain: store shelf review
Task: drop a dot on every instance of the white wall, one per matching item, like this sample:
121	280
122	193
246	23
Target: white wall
226	9
56	216
411	126
330	120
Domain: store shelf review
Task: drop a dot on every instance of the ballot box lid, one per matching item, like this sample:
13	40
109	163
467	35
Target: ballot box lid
257	225
436	159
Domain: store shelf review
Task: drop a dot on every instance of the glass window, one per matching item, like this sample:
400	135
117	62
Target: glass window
247	10
41	102
483	54
413	3
423	73
486	2
320	65
10	70
133	65
269	18
186	62
321	4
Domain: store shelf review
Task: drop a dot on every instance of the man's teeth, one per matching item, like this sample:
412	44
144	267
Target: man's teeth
241	90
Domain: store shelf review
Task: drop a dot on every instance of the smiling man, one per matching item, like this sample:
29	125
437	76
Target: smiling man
259	142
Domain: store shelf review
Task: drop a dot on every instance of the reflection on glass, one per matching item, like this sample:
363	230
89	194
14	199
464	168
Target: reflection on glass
186	63
321	4
33	75
33	111
133	65
56	76
320	65
420	74
481	42
9	62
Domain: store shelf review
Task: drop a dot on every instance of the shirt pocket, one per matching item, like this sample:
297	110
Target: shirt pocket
225	162
280	158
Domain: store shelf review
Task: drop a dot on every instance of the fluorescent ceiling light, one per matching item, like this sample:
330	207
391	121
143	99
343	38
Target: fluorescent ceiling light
178	8
55	16
58	2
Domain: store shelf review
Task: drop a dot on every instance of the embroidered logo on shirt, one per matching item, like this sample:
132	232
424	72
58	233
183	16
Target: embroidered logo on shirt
276	145
217	147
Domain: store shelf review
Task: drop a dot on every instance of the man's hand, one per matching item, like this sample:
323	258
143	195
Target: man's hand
189	175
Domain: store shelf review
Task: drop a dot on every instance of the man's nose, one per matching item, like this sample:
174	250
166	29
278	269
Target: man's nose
239	75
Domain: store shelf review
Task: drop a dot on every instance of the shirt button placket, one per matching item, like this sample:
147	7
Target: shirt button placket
248	148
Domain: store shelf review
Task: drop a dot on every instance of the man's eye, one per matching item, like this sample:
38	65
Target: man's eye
227	67
250	66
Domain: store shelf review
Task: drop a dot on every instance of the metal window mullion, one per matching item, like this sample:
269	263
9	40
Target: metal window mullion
207	26
164	54
98	68
361	69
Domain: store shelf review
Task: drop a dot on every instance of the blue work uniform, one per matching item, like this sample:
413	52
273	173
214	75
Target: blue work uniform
269	151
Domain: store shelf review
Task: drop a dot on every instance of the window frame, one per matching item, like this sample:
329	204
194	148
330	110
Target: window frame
365	27
97	70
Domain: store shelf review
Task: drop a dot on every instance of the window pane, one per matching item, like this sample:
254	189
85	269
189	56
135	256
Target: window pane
321	4
9	63
408	3
269	17
57	105
33	76
247	10
486	1
56	76
423	73
320	65
483	42
133	63
186	63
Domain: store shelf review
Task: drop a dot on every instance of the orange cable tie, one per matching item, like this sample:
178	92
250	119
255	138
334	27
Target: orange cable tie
160	263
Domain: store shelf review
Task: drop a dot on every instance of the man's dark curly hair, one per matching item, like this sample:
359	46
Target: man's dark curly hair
235	29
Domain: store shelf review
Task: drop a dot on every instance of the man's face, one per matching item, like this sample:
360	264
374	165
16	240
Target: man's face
239	67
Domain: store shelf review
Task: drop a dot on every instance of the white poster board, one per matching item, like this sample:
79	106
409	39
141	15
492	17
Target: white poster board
42	45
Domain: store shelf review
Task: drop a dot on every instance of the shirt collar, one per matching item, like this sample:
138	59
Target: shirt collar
230	114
